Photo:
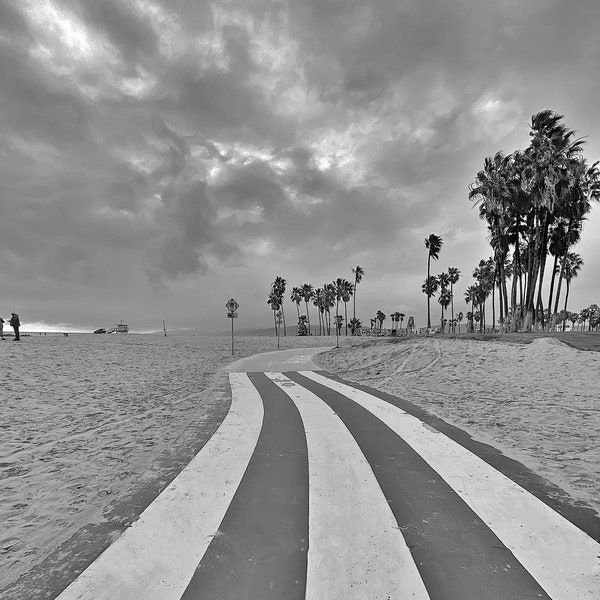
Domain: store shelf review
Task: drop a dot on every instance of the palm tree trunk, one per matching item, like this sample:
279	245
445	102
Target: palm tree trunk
494	302
283	317
354	308
452	305
560	278
552	280
275	321
428	296
566	299
346	316
308	317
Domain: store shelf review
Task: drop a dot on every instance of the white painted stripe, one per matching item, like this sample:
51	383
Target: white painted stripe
564	560
157	556
355	548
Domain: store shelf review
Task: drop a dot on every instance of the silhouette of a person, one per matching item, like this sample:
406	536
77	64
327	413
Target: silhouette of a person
15	324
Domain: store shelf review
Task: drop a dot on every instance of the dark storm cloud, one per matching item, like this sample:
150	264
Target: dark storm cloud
152	145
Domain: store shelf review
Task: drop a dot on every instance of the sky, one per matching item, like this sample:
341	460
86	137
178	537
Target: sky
160	157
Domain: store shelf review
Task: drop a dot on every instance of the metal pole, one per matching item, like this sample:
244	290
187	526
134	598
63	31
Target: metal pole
232	335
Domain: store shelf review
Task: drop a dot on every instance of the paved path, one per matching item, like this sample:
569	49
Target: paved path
315	489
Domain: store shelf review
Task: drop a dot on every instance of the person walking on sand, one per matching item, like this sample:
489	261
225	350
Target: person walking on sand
2	329
15	324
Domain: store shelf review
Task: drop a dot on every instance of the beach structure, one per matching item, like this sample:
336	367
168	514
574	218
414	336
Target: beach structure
119	328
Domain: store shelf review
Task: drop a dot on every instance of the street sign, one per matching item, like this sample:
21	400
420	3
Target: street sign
232	305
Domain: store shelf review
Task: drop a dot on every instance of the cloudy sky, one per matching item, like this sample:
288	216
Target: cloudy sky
159	157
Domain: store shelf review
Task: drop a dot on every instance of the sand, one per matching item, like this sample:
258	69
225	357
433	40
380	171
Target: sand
537	402
92	428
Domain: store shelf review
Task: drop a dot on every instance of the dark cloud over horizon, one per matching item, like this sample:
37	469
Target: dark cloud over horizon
156	153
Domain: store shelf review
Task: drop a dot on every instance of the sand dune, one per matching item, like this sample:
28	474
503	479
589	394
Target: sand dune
539	402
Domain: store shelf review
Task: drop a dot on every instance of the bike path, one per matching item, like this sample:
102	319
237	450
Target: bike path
315	488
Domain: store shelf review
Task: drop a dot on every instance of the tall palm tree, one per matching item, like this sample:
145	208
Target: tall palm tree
471	295
572	267
279	288
454	276
318	303
429	288
381	317
307	294
338	289
355	324
444	300
347	291
329	301
359	273
395	317
296	297
273	302
433	243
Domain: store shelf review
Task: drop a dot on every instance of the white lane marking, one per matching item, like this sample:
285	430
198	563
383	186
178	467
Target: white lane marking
355	549
157	556
564	560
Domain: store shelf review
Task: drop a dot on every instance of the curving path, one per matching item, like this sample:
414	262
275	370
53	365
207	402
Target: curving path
313	488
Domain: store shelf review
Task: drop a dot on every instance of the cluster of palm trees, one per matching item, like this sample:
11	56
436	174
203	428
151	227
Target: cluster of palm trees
444	282
324	298
590	315
534	202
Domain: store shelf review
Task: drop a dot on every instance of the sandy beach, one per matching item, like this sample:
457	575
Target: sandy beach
534	398
94	427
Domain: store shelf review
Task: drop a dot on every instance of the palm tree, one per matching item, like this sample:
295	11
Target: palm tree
573	317
347	290
430	287
329	301
307	294
279	289
273	302
381	317
338	287
395	317
453	276
470	325
355	324
359	273
296	297
318	302
401	317
444	300
471	295
302	325
572	267
433	243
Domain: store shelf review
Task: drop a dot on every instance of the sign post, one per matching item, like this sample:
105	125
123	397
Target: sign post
232	307
279	322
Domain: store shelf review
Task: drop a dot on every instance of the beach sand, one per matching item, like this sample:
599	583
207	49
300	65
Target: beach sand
92	428
534	398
